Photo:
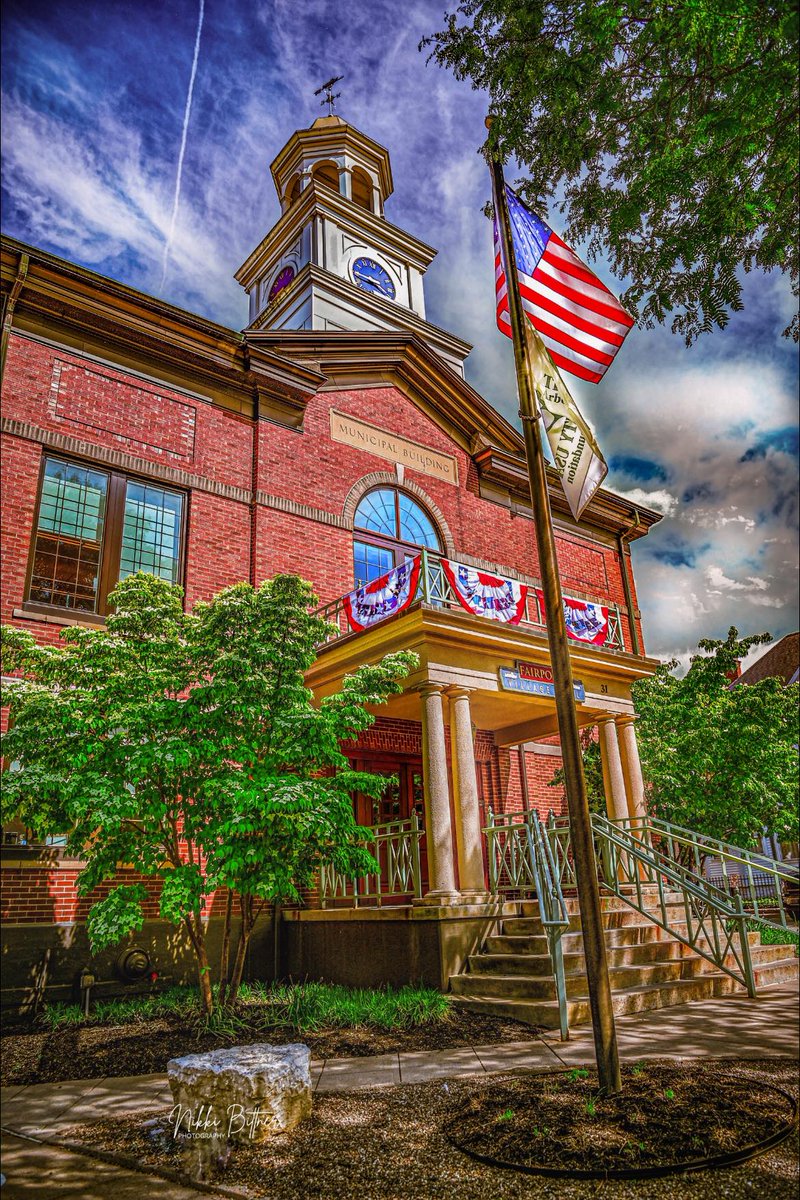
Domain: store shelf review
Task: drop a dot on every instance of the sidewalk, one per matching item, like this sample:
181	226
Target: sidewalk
728	1028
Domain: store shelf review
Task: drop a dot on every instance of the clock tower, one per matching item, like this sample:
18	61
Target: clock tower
333	262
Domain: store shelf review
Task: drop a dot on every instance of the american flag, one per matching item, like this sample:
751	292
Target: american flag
580	321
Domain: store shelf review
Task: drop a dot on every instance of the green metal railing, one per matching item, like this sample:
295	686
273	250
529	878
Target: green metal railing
760	882
434	590
396	847
710	921
521	861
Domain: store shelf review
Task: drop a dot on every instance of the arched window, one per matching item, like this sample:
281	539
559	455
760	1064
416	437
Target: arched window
327	173
362	189
388	528
293	191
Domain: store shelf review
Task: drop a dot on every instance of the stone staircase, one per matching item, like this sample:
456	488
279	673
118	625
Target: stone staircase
649	968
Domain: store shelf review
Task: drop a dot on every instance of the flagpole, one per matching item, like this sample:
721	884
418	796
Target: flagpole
605	1037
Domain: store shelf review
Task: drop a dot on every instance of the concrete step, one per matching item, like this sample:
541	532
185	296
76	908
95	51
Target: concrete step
543	1010
575	961
521	961
629	935
616	922
608	903
518	986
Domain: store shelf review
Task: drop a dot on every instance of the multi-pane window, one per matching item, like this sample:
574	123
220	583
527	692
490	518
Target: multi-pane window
389	528
95	527
151	531
66	560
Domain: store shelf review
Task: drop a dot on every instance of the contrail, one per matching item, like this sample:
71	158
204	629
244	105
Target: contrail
186	115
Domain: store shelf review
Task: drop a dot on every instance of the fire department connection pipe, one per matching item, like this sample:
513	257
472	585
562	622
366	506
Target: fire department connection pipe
622	540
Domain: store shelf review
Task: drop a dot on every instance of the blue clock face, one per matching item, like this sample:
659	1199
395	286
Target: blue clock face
371	276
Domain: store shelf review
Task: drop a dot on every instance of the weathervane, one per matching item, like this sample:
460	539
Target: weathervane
330	96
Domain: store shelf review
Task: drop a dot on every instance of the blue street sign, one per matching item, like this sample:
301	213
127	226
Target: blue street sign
512	681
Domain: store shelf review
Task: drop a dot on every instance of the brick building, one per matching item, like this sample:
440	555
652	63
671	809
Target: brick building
336	437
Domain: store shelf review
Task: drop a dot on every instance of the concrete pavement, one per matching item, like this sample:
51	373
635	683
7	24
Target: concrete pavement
767	1027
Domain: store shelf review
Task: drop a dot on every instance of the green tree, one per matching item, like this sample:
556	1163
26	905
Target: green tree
187	746
672	128
592	772
718	759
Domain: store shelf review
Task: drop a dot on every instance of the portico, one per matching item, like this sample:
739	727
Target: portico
461	689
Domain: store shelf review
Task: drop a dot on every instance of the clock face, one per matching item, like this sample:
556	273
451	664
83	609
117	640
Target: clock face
371	276
282	280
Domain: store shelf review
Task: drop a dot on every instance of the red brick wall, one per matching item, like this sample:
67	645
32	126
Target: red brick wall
19	480
42	893
62	393
228	540
218	549
501	786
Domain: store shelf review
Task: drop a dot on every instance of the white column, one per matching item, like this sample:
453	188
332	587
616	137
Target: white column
613	777
631	766
471	880
438	830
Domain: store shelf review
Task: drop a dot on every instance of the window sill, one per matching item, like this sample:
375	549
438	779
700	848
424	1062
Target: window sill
48	618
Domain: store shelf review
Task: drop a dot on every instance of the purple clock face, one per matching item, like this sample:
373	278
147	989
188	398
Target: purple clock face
282	280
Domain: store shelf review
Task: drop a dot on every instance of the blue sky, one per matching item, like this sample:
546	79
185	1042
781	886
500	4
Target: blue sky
94	97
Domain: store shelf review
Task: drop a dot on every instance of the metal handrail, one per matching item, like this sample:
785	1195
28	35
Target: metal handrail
396	847
434	589
762	874
518	849
713	923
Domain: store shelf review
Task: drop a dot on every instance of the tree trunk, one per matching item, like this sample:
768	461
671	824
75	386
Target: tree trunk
226	949
246	903
197	937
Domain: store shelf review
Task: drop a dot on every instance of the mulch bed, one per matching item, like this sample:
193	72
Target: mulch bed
665	1116
392	1144
144	1048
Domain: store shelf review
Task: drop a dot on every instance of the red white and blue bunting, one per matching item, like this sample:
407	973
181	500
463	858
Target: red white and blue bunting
585	622
486	595
383	597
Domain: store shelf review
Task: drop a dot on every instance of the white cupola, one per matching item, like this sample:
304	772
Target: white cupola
333	261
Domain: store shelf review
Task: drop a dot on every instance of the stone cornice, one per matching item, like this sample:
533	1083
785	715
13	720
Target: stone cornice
100	316
318	200
509	472
370	359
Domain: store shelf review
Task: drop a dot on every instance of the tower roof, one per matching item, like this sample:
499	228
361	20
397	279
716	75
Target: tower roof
331	137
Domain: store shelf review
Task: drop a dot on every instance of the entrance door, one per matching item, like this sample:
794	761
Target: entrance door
402	796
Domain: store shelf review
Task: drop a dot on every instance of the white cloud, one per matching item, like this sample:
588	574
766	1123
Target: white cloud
89	182
660	500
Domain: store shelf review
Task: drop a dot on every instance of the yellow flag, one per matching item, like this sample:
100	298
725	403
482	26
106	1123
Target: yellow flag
576	454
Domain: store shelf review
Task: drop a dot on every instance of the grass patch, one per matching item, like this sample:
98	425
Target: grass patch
776	937
317	1005
302	1006
770	936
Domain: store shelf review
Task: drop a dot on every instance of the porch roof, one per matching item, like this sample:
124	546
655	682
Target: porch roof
458	649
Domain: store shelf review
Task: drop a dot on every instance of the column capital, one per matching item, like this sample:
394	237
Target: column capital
626	718
456	692
604	717
429	688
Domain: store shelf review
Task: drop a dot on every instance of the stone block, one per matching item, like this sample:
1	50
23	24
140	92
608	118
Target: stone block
236	1096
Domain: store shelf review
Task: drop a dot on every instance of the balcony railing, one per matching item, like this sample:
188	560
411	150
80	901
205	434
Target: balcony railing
433	589
396	847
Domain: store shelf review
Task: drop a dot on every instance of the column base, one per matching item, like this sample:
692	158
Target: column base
437	899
